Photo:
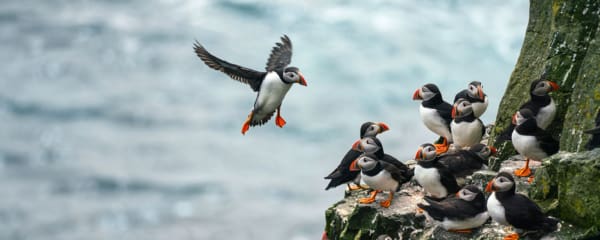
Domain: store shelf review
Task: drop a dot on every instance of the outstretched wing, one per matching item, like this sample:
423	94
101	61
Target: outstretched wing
281	55
239	73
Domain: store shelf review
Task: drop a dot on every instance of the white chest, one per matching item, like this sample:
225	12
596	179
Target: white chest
271	94
434	122
480	107
472	222
429	179
382	181
546	115
466	134
527	146
496	210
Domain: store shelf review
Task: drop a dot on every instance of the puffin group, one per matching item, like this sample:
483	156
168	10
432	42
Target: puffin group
441	167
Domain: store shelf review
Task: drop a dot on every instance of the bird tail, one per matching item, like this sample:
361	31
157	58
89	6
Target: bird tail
550	224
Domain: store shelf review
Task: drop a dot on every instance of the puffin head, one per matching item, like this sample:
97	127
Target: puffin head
426	92
542	87
470	193
462	107
483	151
371	129
476	90
503	182
293	75
426	152
522	115
367	161
367	145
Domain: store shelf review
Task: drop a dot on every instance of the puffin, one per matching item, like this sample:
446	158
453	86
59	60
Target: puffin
373	145
381	176
436	114
271	85
467	130
540	103
509	208
460	214
531	141
475	95
435	178
464	162
342	173
595	132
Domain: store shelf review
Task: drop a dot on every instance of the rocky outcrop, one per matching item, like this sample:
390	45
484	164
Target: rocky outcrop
568	186
561	41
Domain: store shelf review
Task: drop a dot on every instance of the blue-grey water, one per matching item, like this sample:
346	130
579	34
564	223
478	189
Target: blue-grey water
112	128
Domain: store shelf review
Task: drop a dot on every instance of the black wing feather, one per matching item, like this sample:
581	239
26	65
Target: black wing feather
398	174
523	213
342	173
239	73
445	111
547	142
281	55
447	179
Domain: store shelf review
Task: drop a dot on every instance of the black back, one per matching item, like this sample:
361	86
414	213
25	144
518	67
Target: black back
455	208
463	162
447	179
546	142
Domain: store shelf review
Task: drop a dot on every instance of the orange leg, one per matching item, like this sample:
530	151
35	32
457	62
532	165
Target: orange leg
442	147
370	199
461	230
246	124
513	236
388	202
279	121
523	172
420	210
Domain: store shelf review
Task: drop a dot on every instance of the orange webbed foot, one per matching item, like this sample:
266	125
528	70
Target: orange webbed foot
523	172
386	203
246	124
370	199
442	147
513	236
279	121
461	230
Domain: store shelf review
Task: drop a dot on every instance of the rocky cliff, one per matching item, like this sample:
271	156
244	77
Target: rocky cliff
560	43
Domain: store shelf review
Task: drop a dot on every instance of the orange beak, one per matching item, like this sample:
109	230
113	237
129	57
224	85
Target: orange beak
302	80
490	186
514	119
356	146
454	109
480	91
383	127
354	166
419	154
553	85
494	150
417	95
457	194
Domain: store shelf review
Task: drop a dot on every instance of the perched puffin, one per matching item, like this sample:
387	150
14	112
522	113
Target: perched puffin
271	85
460	214
541	104
531	141
342	174
464	162
436	114
374	146
509	208
381	176
467	130
595	140
433	176
475	95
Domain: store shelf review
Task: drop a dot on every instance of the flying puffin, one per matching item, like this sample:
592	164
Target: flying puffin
436	114
460	214
531	141
467	130
433	176
342	174
595	140
541	104
271	85
381	176
475	95
464	162
508	208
